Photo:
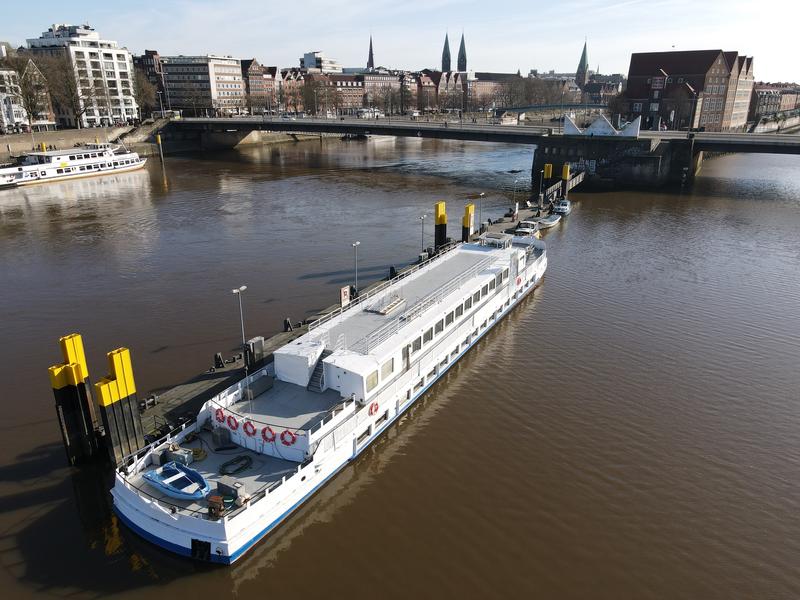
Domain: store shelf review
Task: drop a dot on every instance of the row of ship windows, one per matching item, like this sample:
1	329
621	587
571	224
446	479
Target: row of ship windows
388	367
93	167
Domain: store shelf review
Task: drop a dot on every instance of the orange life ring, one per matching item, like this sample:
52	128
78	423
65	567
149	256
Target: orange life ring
267	434
233	423
219	414
373	409
288	438
249	429
519	280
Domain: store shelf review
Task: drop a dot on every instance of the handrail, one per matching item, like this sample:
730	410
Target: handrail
381	287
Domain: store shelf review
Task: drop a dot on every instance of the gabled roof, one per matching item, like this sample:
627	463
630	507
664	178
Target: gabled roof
687	62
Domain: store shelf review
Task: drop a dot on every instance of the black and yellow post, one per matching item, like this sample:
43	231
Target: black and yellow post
564	179
119	407
548	171
76	416
468	222
440	228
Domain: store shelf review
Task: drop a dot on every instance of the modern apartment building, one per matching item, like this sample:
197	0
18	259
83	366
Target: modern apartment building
103	74
204	85
317	61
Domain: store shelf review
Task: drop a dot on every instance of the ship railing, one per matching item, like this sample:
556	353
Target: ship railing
371	293
384	332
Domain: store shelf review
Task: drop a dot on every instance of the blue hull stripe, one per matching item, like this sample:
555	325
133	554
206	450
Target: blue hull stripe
172	547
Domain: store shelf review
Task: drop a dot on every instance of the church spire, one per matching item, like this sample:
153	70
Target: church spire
446	55
462	56
370	58
582	74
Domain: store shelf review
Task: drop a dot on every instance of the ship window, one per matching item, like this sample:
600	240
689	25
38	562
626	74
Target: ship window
492	284
483	325
387	368
432	374
476	297
116	164
468	303
484	290
60	171
416	345
44	173
428	336
372	381
93	155
459	310
444	362
383	419
454	353
451	316
82	168
499	279
418	387
505	274
72	158
440	326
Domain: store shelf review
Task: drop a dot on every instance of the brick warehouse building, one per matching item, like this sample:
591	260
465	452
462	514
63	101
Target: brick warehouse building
697	88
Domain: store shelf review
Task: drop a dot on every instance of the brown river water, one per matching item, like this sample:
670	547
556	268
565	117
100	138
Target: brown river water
632	430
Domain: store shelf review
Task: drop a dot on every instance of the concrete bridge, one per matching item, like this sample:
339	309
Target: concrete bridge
652	159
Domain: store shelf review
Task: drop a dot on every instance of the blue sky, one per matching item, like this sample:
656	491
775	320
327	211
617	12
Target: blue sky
505	36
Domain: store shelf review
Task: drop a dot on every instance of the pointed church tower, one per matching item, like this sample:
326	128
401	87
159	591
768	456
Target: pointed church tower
446	55
370	58
582	75
462	56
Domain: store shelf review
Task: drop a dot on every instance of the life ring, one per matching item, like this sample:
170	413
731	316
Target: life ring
233	424
519	280
373	409
249	429
219	414
288	438
267	434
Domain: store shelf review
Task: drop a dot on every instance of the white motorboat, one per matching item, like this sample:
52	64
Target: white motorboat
549	221
81	161
527	229
563	207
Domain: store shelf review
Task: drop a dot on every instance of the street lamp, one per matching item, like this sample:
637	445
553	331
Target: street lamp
514	193
422	221
238	291
480	210
355	260
161	103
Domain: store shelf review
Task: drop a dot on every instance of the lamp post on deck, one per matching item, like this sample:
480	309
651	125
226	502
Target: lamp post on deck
238	292
422	243
355	260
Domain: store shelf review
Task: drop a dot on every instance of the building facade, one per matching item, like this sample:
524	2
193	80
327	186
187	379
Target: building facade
204	85
103	74
317	62
260	86
150	65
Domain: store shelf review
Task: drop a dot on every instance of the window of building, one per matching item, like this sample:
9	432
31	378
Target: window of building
654	107
637	107
387	368
372	381
655	94
439	326
416	345
428	335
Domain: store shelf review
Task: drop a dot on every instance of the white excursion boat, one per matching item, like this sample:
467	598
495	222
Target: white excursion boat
548	221
57	165
562	207
328	394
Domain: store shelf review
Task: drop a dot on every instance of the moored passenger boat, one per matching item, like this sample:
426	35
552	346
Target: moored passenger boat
327	395
81	161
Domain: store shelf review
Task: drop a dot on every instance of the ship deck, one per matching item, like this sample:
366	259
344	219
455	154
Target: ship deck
264	472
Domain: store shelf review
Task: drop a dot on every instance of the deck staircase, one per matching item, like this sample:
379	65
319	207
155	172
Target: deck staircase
317	382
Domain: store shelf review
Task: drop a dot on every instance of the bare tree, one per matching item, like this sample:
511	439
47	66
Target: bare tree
70	89
144	92
32	93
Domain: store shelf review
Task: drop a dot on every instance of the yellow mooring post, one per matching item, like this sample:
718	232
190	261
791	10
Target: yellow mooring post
119	407
76	416
468	222
160	148
440	227
564	180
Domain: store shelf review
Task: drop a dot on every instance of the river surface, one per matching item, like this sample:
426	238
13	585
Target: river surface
632	430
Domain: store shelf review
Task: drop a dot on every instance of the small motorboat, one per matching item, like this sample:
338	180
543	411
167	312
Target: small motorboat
549	221
177	480
563	207
527	229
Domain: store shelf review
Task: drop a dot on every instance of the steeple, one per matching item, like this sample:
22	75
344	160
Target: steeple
462	56
370	58
582	74
446	55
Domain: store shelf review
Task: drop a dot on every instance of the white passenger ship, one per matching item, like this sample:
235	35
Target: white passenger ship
327	395
57	165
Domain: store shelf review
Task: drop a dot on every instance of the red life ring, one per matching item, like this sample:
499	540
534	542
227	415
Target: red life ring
219	414
249	429
373	409
519	280
233	423
288	438
267	434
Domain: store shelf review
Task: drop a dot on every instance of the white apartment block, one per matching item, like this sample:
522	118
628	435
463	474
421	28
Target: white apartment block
103	72
204	85
317	61
12	114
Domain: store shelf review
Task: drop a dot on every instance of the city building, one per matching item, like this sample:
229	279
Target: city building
599	92
379	87
689	89
103	72
766	101
317	61
426	92
462	56
13	117
204	85
149	63
292	83
260	86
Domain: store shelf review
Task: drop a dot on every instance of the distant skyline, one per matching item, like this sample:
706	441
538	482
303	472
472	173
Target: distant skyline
513	36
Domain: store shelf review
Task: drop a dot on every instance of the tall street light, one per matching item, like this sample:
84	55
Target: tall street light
355	260
422	221
238	291
480	210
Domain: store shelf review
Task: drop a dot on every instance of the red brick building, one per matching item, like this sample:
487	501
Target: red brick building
260	86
